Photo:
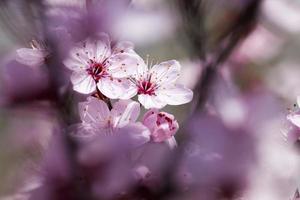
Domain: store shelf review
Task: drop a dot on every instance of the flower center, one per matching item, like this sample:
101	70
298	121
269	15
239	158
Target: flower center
146	87
97	70
162	118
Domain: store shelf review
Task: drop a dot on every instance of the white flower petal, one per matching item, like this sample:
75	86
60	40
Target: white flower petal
122	65
141	71
298	101
82	82
94	111
31	57
78	60
151	101
122	47
125	111
97	49
115	88
295	119
129	90
165	72
171	142
175	94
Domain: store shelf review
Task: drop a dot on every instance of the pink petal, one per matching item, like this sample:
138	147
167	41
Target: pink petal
150	119
124	64
125	112
82	82
116	88
82	131
135	134
162	125
175	94
295	119
122	47
298	101
78	60
94	111
97	49
129	90
171	142
150	101
161	133
165	72
141	71
31	57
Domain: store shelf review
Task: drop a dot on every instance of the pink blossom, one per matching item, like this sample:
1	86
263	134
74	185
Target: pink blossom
97	119
95	64
34	56
162	126
156	87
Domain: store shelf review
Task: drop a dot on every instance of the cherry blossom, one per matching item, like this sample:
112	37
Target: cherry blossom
156	87
162	126
97	120
96	65
34	56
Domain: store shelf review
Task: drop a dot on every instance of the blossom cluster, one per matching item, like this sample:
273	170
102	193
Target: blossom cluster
118	73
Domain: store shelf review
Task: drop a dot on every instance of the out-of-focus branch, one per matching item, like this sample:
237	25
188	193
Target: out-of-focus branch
236	33
18	19
239	30
102	97
193	16
80	191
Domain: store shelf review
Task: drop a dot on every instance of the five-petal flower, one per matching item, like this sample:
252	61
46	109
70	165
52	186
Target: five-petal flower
95	64
97	119
156	87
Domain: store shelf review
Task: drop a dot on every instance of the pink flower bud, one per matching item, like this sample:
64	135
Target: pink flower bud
162	125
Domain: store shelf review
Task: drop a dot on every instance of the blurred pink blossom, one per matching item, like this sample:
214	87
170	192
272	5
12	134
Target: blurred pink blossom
217	159
138	22
284	14
255	47
34	56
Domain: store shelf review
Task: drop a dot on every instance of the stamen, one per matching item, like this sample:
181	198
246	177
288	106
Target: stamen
146	87
97	70
147	61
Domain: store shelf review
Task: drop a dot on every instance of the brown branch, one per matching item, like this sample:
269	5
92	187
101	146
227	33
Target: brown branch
98	94
236	33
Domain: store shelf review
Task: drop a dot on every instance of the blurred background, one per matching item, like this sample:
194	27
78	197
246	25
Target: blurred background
240	57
